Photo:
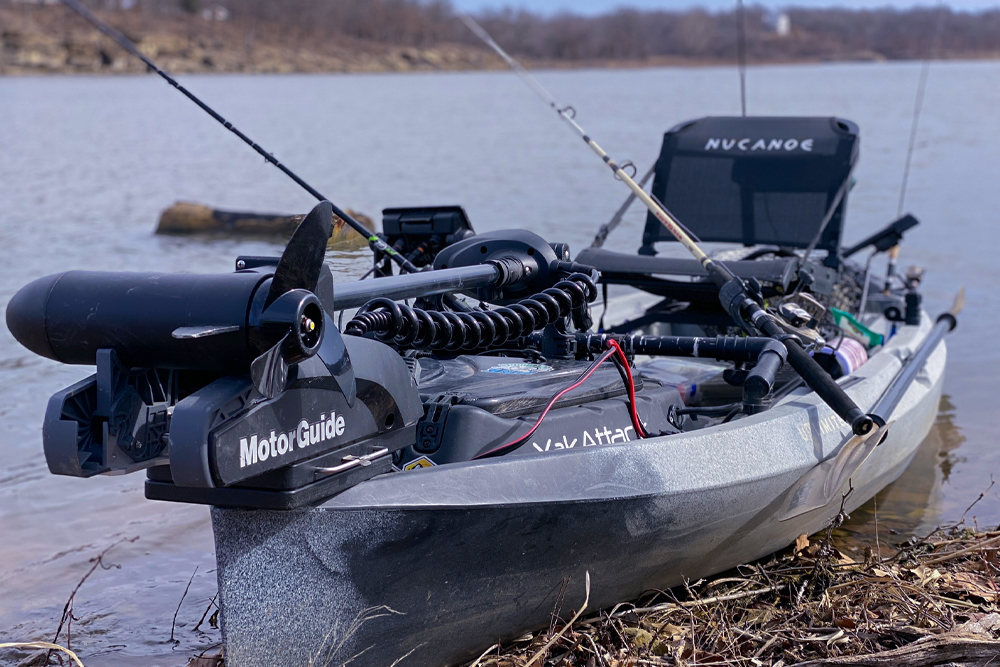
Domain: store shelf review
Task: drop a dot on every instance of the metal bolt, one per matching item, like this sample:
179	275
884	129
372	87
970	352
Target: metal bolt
240	265
308	325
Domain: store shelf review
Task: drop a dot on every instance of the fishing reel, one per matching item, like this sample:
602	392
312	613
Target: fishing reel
233	389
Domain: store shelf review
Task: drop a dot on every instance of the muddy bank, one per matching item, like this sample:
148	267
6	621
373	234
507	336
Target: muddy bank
51	40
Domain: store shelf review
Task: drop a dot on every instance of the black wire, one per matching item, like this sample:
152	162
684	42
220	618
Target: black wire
709	410
735	411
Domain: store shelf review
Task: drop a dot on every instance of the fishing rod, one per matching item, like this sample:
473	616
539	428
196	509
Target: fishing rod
602	233
741	52
374	242
918	104
734	294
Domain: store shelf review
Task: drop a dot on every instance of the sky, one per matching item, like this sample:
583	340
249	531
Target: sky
601	6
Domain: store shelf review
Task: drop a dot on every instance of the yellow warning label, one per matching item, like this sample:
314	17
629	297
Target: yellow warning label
422	462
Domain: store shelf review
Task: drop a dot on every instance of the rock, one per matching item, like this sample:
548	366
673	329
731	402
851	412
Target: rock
190	218
36	659
988	625
641	638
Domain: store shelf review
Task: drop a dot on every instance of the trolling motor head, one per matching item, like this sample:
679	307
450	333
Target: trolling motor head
212	323
232	389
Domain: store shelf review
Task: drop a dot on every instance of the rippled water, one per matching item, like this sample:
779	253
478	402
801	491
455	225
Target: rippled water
87	164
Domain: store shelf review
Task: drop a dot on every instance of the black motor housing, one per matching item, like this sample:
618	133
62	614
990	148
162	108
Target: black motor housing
151	320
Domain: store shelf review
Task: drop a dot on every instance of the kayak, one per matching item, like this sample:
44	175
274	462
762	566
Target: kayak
433	566
470	452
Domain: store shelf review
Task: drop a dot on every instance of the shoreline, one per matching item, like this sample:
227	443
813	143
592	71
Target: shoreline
14	72
41	44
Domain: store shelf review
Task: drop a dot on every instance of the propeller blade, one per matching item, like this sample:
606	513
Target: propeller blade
300	263
269	371
818	487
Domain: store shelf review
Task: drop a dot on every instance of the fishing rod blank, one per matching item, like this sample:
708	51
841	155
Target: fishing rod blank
602	233
733	292
374	241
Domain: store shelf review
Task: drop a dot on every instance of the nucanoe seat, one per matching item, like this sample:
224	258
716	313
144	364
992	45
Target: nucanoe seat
756	181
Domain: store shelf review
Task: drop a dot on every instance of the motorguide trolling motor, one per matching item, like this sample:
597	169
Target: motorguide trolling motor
232	389
238	389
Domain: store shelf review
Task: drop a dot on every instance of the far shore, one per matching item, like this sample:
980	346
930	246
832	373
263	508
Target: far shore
417	61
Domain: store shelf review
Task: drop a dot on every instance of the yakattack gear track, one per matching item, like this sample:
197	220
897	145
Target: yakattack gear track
404	326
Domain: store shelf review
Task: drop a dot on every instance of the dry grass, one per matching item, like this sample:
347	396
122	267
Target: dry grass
931	600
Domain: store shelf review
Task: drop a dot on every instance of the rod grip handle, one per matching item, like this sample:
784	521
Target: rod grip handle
832	394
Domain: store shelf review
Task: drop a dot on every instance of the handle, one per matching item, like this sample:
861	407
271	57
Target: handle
825	387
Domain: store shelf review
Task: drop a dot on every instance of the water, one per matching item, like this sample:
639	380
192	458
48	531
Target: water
87	164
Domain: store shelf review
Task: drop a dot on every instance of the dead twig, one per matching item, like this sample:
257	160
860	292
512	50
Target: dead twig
569	624
67	613
173	624
207	609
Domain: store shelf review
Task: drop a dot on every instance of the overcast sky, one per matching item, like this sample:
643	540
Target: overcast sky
600	6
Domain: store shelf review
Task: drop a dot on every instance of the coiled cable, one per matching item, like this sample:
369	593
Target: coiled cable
414	328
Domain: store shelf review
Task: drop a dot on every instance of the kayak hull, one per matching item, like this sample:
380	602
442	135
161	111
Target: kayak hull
432	567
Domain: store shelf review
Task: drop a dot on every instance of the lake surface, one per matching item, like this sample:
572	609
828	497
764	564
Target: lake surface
87	164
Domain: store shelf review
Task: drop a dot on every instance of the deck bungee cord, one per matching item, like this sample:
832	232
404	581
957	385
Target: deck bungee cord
744	307
374	242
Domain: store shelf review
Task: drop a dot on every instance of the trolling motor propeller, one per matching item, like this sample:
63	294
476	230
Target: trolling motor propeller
291	307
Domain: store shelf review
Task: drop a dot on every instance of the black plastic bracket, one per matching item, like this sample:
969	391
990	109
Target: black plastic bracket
430	429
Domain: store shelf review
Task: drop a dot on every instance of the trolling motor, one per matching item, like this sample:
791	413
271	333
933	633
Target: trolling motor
238	389
233	389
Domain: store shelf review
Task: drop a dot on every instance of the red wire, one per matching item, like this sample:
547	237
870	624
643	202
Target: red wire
590	371
633	412
613	349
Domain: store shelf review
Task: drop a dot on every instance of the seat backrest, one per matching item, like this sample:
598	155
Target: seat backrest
756	181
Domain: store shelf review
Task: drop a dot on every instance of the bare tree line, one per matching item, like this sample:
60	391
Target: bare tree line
624	34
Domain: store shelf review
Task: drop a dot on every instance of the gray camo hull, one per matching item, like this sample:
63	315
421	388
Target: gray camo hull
432	567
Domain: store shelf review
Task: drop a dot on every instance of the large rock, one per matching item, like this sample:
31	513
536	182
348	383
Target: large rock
190	218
